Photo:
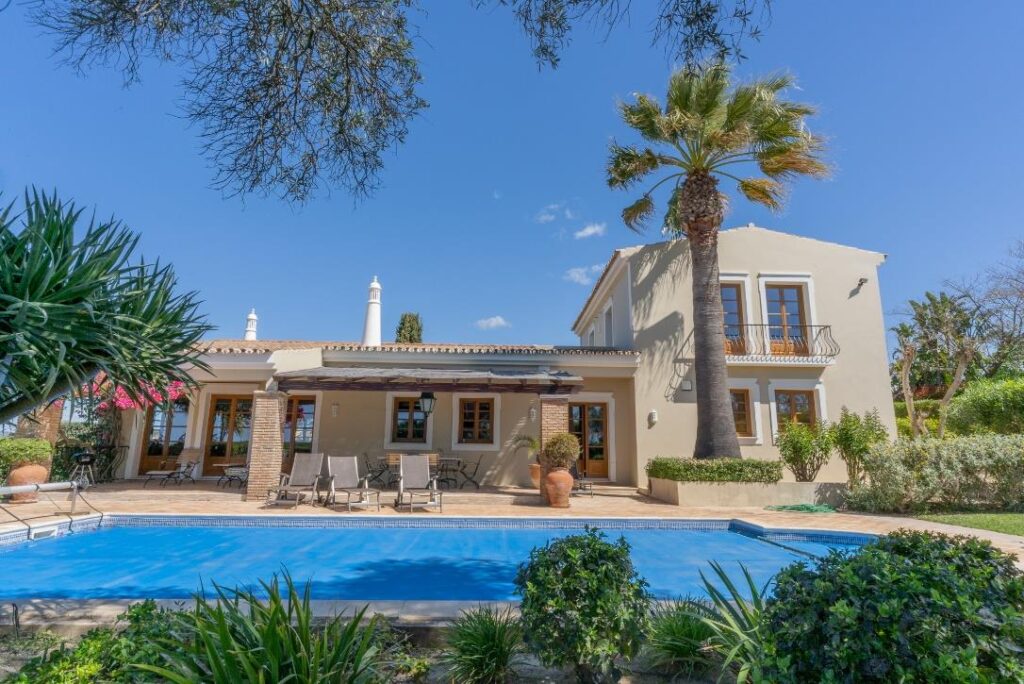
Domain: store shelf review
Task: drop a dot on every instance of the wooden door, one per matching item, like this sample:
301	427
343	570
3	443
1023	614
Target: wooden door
297	431
227	433
787	322
732	308
164	438
589	423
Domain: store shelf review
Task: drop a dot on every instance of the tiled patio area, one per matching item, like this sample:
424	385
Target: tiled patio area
205	498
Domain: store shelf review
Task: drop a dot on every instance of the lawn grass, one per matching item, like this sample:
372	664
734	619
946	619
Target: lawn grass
1008	523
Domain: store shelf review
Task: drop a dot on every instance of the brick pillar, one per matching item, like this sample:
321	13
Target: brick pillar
268	413
43	423
554	417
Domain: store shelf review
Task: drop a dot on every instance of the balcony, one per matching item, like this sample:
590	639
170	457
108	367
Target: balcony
775	344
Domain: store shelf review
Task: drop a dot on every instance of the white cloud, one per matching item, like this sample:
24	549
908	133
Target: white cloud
549	213
569	214
492	323
590	230
582	275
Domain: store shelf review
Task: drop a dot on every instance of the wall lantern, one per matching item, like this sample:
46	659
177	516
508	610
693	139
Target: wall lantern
533	414
427	402
652	418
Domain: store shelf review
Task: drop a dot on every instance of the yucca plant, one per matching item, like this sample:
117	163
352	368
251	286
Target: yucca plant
736	622
678	635
483	645
707	130
71	308
242	638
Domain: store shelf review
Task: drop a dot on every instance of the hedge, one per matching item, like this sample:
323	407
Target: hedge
981	471
715	470
18	450
989	406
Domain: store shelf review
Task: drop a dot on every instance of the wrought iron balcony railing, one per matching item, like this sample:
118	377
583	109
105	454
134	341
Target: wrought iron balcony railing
767	340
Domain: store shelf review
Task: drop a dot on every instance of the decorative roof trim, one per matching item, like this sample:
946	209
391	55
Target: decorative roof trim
270	346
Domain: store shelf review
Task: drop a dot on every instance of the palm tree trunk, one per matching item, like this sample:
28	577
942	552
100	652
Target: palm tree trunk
700	205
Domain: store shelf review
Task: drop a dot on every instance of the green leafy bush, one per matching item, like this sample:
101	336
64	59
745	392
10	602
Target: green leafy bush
105	654
242	637
854	436
805	449
17	451
715	470
483	645
560	451
678	636
962	472
910	607
989	406
583	604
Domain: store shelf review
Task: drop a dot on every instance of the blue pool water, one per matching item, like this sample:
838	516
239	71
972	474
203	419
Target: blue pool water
381	563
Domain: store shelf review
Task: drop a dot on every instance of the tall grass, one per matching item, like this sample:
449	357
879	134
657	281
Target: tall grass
678	635
483	645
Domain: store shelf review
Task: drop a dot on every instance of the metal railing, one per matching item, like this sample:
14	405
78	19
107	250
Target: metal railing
764	340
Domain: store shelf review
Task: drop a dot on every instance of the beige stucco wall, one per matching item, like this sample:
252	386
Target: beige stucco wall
662	321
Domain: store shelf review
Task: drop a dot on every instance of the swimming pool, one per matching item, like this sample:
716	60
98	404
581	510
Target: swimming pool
368	558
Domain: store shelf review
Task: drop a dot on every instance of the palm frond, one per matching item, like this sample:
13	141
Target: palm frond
644	115
627	165
789	161
764	191
636	215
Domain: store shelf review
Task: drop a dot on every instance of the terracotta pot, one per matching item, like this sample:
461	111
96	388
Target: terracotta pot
535	474
558	487
30	473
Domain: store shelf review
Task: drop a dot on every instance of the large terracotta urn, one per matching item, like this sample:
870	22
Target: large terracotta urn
535	475
29	473
558	487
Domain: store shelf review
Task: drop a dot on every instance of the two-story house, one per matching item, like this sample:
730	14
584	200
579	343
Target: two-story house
804	337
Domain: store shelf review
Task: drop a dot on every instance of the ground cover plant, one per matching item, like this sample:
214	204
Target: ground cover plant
583	604
1007	523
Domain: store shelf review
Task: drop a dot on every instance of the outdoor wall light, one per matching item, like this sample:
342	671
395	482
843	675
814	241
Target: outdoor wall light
334	410
427	402
652	418
533	414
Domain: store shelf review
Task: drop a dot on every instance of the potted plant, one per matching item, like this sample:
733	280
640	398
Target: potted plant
27	461
557	456
532	446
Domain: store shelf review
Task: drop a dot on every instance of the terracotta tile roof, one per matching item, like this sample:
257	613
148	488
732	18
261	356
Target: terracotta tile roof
268	346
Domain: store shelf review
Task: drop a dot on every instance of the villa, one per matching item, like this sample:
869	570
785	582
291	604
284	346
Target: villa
804	337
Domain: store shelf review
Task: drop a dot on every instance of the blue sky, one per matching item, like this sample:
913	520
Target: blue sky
484	212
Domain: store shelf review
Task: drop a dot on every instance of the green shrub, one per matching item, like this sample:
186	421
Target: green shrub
242	637
805	449
678	636
17	451
105	654
989	406
483	645
961	472
583	604
854	436
560	451
911	607
715	470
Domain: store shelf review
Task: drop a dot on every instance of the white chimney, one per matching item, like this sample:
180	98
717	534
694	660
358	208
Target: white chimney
250	325
371	329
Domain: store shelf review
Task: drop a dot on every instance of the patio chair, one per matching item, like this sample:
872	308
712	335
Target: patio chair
304	480
239	474
468	470
580	483
416	484
377	470
182	471
343	476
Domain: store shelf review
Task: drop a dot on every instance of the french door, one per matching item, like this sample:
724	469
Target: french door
787	323
227	433
589	423
164	436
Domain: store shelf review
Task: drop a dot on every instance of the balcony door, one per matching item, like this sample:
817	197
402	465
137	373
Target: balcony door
227	433
787	321
589	422
732	307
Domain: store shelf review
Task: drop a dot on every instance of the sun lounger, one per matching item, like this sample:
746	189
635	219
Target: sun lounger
181	472
343	478
304	480
416	486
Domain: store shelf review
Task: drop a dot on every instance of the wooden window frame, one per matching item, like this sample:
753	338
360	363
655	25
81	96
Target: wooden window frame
749	411
415	402
736	346
168	425
812	403
477	439
229	444
291	410
784	312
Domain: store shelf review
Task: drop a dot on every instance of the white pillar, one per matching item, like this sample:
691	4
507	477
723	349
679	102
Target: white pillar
250	325
371	328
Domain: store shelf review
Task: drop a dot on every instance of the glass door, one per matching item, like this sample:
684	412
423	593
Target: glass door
164	437
227	434
589	423
787	325
298	430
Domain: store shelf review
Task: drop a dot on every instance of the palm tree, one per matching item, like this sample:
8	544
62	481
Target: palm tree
709	130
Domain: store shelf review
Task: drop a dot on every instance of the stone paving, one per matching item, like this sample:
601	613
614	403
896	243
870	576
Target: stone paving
205	498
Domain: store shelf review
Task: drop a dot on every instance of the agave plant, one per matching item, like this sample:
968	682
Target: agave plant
72	309
709	130
736	622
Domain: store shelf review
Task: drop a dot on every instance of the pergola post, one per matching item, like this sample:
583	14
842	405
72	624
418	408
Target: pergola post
265	443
